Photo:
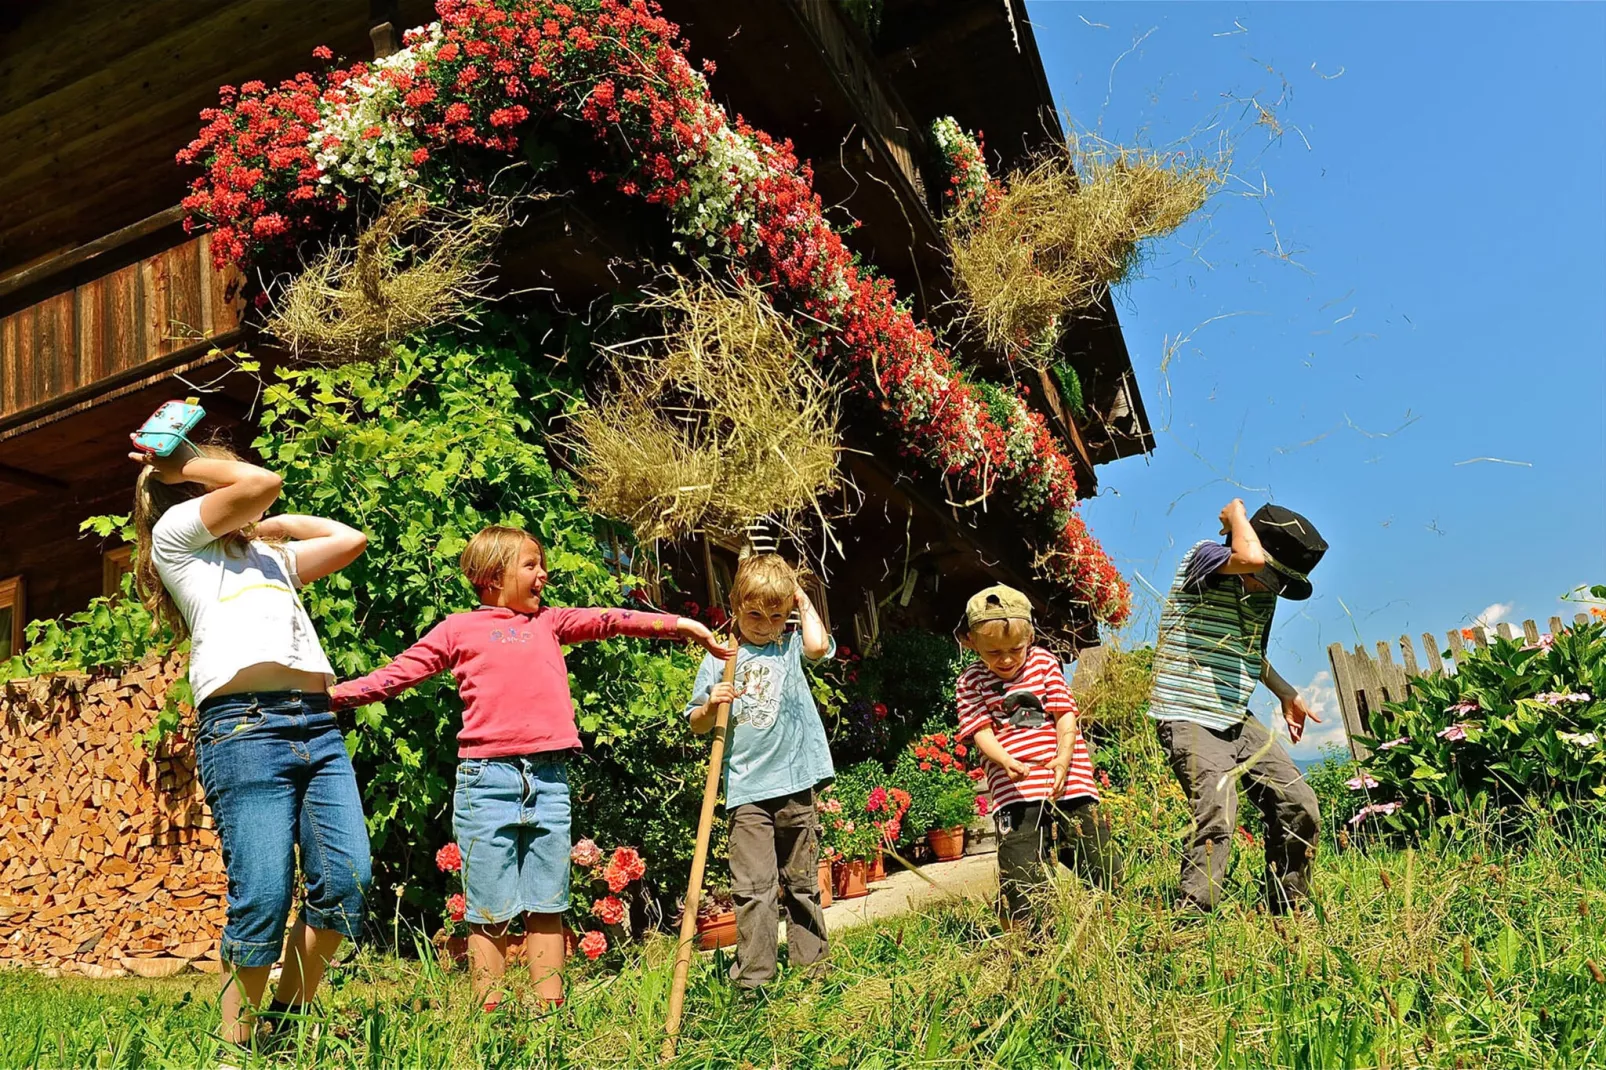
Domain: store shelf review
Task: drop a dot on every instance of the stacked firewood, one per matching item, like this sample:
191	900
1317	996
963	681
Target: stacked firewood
109	861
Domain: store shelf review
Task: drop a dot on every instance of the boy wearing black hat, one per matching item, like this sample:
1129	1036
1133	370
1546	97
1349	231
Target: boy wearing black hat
1210	655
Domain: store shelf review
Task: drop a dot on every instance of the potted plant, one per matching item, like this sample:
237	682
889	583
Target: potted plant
716	919
951	811
825	878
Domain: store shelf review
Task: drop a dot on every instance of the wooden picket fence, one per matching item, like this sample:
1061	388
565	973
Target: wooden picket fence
1365	682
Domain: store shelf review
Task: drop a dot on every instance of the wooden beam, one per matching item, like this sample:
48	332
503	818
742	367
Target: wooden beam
134	379
31	481
72	258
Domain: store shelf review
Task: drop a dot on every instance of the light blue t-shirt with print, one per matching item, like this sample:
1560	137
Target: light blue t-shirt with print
776	744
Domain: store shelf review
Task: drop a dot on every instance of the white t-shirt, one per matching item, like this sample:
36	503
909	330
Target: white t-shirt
242	607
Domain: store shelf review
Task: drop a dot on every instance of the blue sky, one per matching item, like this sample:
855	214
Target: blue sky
1440	190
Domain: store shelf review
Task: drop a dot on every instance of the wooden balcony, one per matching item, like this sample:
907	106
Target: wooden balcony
113	331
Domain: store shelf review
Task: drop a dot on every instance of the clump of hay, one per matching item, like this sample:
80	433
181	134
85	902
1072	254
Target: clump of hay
718	420
413	267
1064	230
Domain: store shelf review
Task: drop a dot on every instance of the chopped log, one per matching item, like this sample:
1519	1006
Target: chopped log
109	859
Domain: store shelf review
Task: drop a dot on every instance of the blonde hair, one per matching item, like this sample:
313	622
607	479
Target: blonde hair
763	578
1008	630
152	499
490	555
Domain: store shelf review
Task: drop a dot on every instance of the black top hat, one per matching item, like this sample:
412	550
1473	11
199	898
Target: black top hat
1292	545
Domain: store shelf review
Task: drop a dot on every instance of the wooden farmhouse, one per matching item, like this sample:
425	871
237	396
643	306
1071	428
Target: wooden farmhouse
107	308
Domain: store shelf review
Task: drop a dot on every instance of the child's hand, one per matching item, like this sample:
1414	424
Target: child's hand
1062	770
800	597
722	692
1233	511
697	633
1017	769
1296	713
169	469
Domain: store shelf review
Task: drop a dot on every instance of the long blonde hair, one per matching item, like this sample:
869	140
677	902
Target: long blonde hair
153	498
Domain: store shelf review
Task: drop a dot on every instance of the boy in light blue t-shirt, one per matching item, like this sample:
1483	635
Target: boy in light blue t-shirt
776	754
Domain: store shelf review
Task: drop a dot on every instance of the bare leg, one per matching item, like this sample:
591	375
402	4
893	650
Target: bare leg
487	958
242	994
543	946
309	953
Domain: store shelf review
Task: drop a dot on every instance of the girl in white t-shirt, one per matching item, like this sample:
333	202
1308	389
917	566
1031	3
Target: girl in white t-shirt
273	764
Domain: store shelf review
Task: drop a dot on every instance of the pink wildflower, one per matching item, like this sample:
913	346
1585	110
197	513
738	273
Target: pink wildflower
1391	744
1381	809
1455	733
1360	783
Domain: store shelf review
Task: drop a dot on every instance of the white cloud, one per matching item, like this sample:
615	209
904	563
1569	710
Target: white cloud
1494	613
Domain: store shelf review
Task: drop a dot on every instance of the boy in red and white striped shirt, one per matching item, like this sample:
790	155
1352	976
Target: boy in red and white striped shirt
1015	706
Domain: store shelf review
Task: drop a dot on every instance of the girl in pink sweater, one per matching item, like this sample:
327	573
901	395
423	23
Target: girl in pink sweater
510	810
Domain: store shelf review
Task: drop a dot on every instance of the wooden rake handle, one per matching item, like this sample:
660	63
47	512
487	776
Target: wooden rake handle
699	863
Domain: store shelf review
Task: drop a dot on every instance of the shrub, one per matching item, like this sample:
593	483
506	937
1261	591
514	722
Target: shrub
1515	731
421	451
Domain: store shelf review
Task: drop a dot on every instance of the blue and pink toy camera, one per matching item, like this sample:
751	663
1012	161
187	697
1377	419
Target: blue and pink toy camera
167	427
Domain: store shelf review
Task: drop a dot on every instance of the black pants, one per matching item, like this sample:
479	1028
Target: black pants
1033	835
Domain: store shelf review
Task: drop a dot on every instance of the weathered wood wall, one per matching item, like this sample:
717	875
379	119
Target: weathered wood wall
113	324
108	859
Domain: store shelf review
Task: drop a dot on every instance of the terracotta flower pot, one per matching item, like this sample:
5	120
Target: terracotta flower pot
878	868
947	844
825	882
716	930
850	879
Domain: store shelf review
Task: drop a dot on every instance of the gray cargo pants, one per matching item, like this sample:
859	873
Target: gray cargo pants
776	841
1200	757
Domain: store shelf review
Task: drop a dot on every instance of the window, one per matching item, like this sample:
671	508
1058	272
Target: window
114	565
13	615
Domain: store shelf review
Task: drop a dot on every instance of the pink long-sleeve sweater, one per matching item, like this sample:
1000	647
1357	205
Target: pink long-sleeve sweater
510	672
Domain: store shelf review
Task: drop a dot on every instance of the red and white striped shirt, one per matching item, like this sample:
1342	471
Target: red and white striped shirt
981	705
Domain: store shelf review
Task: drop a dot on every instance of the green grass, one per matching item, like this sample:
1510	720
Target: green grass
1421	958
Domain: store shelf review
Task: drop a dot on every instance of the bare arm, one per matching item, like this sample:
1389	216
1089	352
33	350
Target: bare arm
1064	749
704	717
816	640
1247	555
1295	712
321	546
237	493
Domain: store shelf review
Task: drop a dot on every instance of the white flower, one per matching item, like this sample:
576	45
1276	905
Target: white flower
1582	739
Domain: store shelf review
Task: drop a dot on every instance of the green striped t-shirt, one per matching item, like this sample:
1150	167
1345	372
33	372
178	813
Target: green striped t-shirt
1212	638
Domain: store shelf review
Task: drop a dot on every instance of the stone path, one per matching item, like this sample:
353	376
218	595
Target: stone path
975	875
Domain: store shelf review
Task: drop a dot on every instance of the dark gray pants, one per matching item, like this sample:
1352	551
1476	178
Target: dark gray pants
1200	757
1033	835
775	842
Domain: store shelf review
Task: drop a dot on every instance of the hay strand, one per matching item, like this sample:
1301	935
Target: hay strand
716	421
412	267
1065	229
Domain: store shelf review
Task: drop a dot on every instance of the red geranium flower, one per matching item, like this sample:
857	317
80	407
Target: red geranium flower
456	906
593	945
449	859
609	909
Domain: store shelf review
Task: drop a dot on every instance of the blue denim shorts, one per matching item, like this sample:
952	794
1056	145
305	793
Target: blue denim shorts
277	777
511	820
